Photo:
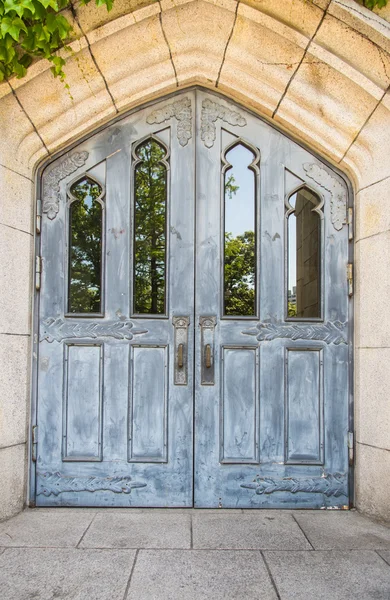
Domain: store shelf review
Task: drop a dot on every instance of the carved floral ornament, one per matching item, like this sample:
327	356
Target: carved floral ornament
338	196
181	110
211	111
56	483
51	181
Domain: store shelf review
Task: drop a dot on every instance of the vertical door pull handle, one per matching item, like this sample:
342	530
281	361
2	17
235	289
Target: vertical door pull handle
180	356
180	351
207	355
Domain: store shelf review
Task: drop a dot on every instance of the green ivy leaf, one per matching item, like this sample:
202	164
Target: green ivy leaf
19	7
108	3
12	26
58	23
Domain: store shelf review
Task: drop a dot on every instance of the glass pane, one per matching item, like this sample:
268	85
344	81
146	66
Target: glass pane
85	248
150	229
304	247
240	237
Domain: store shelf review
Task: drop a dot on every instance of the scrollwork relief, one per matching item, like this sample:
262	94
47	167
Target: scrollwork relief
338	201
211	111
58	329
331	485
51	181
330	332
181	110
55	483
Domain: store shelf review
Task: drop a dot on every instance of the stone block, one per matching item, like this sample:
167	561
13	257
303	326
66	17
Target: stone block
18	141
16	207
46	573
324	575
373	291
139	529
362	20
199	574
373	482
61	114
372	397
145	68
14	388
90	18
355	49
372	210
299	15
368	155
325	106
250	530
197	34
258	64
16	267
332	530
12	489
40	527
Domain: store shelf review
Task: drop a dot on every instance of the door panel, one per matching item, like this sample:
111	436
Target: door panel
213	370
272	431
114	428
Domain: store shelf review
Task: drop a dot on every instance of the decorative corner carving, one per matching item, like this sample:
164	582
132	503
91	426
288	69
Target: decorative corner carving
330	332
58	329
181	110
55	483
338	200
211	111
52	178
330	485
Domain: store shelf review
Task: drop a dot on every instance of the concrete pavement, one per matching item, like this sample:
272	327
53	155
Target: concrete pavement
136	554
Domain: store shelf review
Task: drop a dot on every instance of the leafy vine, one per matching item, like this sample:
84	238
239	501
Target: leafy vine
38	29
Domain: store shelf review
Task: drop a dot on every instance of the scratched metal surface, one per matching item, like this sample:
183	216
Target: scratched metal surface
272	429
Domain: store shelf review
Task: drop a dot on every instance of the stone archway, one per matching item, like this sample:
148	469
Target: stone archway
320	70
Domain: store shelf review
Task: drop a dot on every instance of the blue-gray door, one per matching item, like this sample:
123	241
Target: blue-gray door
193	306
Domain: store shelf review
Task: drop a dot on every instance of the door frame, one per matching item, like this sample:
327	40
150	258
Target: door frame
35	294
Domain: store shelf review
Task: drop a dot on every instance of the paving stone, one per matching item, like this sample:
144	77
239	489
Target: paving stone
385	554
338	530
48	574
252	529
55	528
340	575
140	529
200	575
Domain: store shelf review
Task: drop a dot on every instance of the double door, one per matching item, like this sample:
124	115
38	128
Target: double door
193	341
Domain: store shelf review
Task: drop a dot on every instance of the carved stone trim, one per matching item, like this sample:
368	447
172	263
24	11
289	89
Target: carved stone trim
211	111
330	332
338	200
59	329
332	485
55	483
52	178
181	110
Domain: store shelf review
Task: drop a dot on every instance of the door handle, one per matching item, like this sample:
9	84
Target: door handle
207	326
207	356
181	350
180	356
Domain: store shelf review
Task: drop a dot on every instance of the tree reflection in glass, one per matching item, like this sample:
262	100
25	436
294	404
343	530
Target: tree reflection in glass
240	238
304	255
150	196
85	216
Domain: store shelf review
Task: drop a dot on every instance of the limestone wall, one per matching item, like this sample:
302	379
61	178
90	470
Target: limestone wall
318	69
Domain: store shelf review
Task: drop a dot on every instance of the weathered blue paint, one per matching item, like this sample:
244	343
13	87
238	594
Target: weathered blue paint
193	407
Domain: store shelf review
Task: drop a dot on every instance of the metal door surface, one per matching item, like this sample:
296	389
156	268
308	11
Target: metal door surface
115	388
193	343
271	396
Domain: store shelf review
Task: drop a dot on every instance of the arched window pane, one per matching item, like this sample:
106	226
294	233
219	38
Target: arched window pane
85	215
150	196
240	234
304	256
